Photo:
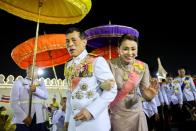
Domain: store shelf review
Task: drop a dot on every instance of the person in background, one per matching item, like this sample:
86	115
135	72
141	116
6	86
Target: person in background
54	105
175	98
59	117
151	112
5	120
19	101
189	97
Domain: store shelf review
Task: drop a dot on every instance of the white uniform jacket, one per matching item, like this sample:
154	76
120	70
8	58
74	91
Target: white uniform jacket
174	93
188	90
20	101
150	107
94	99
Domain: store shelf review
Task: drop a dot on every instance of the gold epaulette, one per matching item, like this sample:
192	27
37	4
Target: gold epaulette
188	76
139	65
175	81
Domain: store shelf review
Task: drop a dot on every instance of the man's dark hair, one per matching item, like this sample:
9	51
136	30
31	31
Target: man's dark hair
72	29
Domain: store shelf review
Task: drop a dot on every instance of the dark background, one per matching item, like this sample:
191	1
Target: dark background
167	30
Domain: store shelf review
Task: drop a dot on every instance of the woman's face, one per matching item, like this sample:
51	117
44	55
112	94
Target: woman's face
128	50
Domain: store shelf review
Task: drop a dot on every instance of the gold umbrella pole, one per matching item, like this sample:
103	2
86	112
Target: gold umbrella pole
110	55
57	82
34	59
110	52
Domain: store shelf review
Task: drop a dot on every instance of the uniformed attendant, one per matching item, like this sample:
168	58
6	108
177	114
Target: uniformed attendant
151	112
189	92
173	92
187	85
20	102
91	87
175	98
161	101
163	87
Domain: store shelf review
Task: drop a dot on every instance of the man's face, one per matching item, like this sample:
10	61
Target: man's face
181	72
30	72
169	79
75	44
128	50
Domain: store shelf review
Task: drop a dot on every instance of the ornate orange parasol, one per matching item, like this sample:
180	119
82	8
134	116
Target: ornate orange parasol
51	51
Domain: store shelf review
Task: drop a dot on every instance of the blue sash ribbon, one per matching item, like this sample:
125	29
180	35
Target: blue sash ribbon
184	84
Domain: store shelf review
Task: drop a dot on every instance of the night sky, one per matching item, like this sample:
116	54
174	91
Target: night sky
167	30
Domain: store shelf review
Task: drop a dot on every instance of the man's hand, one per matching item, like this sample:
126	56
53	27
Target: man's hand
83	115
33	88
27	121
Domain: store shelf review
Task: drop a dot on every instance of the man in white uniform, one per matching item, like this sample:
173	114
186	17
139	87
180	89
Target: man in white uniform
92	87
188	91
20	102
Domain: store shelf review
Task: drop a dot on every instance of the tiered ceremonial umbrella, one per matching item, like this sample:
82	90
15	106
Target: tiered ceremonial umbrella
104	38
49	12
51	51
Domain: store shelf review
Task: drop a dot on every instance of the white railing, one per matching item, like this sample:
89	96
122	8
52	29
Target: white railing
50	83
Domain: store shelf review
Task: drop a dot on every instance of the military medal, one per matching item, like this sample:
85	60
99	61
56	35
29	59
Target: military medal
79	95
90	94
83	69
84	87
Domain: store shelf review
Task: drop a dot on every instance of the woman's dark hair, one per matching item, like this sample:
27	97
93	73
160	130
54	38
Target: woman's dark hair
127	37
72	29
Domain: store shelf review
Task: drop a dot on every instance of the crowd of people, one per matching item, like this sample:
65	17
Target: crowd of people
175	104
114	95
